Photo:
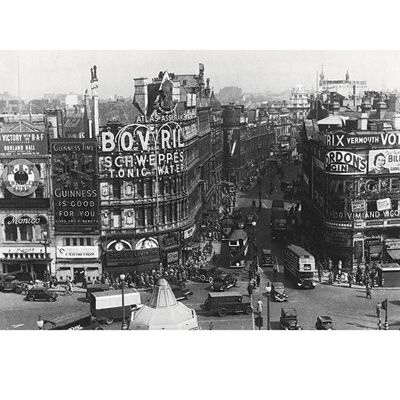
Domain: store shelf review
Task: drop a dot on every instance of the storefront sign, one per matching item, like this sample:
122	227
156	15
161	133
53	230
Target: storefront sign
366	215
172	257
345	162
132	257
358	206
384	204
77	252
21	177
138	150
23	144
385	161
24	221
22	250
187	233
75	192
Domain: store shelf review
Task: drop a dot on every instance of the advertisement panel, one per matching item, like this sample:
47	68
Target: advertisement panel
385	161
345	163
21	177
138	150
75	191
343	140
22	144
172	257
77	252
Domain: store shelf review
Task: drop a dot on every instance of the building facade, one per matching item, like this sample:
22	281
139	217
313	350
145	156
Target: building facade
154	171
351	184
26	232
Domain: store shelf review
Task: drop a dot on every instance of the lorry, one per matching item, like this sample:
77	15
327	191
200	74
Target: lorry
107	306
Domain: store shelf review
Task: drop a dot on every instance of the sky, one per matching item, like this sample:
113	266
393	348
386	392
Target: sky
255	71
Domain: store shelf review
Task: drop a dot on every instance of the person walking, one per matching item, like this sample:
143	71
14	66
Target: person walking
350	278
319	272
249	289
368	293
275	271
259	307
258	278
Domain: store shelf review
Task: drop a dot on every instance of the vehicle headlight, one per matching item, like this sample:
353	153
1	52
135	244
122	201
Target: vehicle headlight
298	284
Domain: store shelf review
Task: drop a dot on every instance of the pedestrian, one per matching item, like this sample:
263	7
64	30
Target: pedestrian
319	272
40	323
350	278
330	278
26	289
259	307
378	310
275	271
250	289
368	293
258	279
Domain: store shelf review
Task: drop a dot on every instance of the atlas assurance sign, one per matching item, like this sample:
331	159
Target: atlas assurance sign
137	150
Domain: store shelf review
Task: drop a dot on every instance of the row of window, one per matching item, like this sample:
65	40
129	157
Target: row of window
24	232
78	241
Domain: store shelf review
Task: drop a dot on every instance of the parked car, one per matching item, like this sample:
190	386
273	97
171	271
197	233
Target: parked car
278	292
181	293
223	282
40	293
288	319
226	303
250	218
204	274
10	283
324	323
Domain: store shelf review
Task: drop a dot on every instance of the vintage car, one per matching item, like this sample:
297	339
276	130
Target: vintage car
223	281
288	319
226	303
324	323
278	292
181	293
266	260
41	293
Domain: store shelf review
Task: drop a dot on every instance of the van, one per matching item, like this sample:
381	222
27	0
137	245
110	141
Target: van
107	306
222	303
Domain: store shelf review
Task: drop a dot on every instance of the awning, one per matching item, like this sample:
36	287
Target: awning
394	254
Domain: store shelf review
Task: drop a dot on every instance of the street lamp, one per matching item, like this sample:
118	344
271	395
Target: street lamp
254	223
123	324
46	242
268	291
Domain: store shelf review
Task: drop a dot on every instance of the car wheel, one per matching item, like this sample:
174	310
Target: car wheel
18	290
222	312
31	298
109	321
51	299
248	311
203	278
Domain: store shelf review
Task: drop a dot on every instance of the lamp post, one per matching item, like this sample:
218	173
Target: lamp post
46	242
259	176
268	291
123	324
254	223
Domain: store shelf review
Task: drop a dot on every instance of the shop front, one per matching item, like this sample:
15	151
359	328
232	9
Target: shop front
78	262
26	259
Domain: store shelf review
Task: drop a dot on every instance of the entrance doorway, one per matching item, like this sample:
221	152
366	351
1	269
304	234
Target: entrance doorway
40	271
79	274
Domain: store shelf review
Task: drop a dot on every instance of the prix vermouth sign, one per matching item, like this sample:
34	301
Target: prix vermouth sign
137	150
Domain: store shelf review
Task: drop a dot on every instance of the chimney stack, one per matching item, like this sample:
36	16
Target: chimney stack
381	108
141	94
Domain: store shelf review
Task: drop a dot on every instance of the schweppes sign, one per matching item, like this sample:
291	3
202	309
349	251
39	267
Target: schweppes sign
345	162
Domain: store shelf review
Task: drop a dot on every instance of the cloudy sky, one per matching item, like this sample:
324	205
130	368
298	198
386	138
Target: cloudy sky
254	71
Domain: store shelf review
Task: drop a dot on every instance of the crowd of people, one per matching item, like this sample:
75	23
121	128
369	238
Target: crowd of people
175	273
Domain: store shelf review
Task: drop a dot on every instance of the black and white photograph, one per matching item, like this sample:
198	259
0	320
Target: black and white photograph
175	193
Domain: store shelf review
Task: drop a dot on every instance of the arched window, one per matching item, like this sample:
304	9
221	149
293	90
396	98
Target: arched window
40	228
25	230
10	229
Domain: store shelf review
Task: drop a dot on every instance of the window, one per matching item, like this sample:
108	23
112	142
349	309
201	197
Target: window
149	188
10	230
67	241
26	232
161	187
74	242
150	217
88	242
140	217
81	241
140	189
116	190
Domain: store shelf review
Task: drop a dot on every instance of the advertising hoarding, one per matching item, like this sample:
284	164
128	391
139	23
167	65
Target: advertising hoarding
16	144
345	163
384	161
75	191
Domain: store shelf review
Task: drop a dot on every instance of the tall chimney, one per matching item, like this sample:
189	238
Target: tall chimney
381	108
141	94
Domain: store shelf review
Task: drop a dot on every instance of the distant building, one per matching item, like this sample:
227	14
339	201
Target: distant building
299	104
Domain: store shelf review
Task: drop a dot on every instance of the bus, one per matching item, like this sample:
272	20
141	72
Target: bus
238	245
299	265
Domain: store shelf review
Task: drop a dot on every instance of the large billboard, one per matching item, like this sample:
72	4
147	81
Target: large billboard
384	161
16	144
360	140
75	184
345	163
138	150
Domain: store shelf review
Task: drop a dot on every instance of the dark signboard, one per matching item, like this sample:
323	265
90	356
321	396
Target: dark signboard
132	257
17	144
75	185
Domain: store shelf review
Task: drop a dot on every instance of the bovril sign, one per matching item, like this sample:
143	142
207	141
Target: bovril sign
345	162
77	252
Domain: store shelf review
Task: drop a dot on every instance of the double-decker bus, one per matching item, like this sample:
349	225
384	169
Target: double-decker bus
238	246
299	265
